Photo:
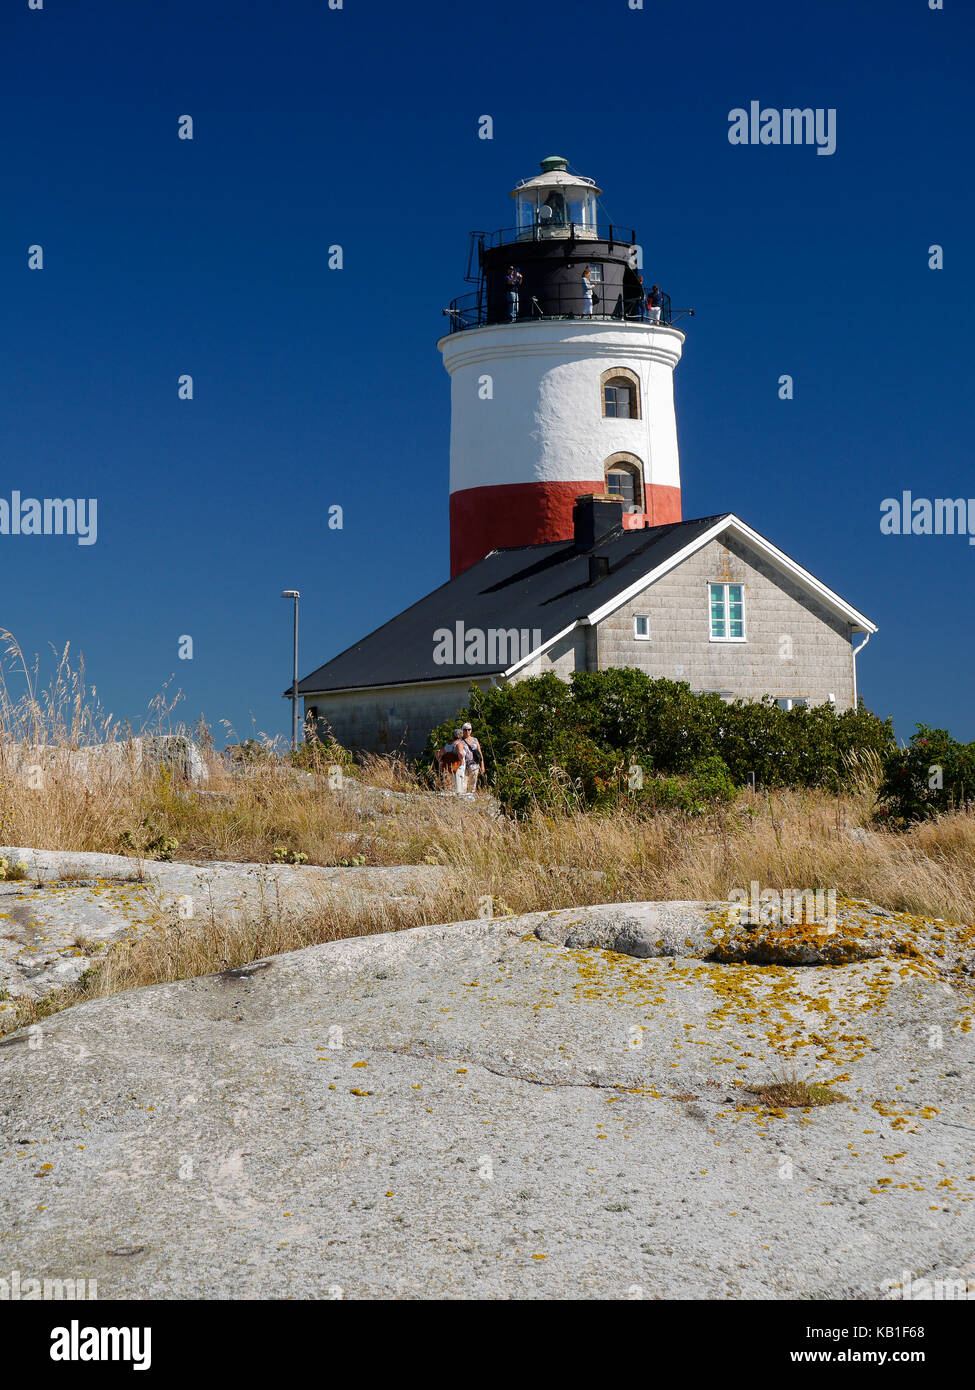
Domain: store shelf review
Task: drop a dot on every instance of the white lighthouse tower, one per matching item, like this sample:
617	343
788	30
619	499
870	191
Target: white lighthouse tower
562	381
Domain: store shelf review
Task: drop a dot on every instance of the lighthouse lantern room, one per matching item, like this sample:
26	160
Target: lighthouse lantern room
556	203
561	375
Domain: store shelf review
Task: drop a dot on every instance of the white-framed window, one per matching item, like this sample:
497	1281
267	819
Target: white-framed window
727	609
596	274
641	627
791	701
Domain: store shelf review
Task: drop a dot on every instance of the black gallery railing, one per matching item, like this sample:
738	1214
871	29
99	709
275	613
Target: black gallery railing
567	301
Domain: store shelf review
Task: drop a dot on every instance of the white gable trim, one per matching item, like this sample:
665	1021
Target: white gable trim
737	527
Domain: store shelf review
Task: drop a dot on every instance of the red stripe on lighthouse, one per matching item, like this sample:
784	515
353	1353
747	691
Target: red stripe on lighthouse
510	514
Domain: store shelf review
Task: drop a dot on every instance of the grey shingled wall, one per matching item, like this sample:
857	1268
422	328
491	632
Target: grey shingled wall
794	645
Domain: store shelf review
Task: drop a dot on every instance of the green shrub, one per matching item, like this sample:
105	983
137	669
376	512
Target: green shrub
933	774
556	744
704	787
570	771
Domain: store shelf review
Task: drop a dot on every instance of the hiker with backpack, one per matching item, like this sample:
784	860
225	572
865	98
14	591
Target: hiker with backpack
452	763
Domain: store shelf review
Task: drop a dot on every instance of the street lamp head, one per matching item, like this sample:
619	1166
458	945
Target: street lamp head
290	593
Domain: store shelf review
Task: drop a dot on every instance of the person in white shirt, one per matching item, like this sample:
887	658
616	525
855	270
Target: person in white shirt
452	763
587	290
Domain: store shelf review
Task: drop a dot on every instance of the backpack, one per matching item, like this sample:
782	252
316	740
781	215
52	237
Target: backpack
451	759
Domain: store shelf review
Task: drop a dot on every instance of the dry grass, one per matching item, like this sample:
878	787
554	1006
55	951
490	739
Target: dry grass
179	950
392	774
785	841
55	795
794	840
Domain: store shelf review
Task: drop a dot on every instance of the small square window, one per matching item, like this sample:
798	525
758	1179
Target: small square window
641	627
596	274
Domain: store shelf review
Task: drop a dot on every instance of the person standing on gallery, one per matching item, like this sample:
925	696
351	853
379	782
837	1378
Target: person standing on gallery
587	290
514	280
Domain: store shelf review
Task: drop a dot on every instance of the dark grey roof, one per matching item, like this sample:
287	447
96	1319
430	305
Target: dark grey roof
534	586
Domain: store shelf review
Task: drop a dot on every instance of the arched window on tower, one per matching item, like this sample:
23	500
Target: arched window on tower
624	479
621	394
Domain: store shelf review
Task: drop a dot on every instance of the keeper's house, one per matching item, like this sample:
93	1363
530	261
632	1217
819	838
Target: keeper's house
709	602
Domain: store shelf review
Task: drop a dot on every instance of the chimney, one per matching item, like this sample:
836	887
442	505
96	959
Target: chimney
594	516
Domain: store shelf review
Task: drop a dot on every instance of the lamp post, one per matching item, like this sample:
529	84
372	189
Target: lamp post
293	593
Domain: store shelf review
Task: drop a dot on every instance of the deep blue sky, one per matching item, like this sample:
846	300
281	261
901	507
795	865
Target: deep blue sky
315	387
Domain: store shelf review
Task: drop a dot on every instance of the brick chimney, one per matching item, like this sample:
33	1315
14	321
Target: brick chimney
594	516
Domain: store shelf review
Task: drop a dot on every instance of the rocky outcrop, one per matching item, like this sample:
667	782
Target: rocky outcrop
719	931
484	1110
72	905
632	929
103	763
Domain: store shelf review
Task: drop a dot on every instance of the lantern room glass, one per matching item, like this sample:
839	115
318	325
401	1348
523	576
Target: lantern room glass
527	205
582	211
553	210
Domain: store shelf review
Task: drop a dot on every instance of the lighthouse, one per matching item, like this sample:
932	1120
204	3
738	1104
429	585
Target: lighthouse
562	376
568	549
